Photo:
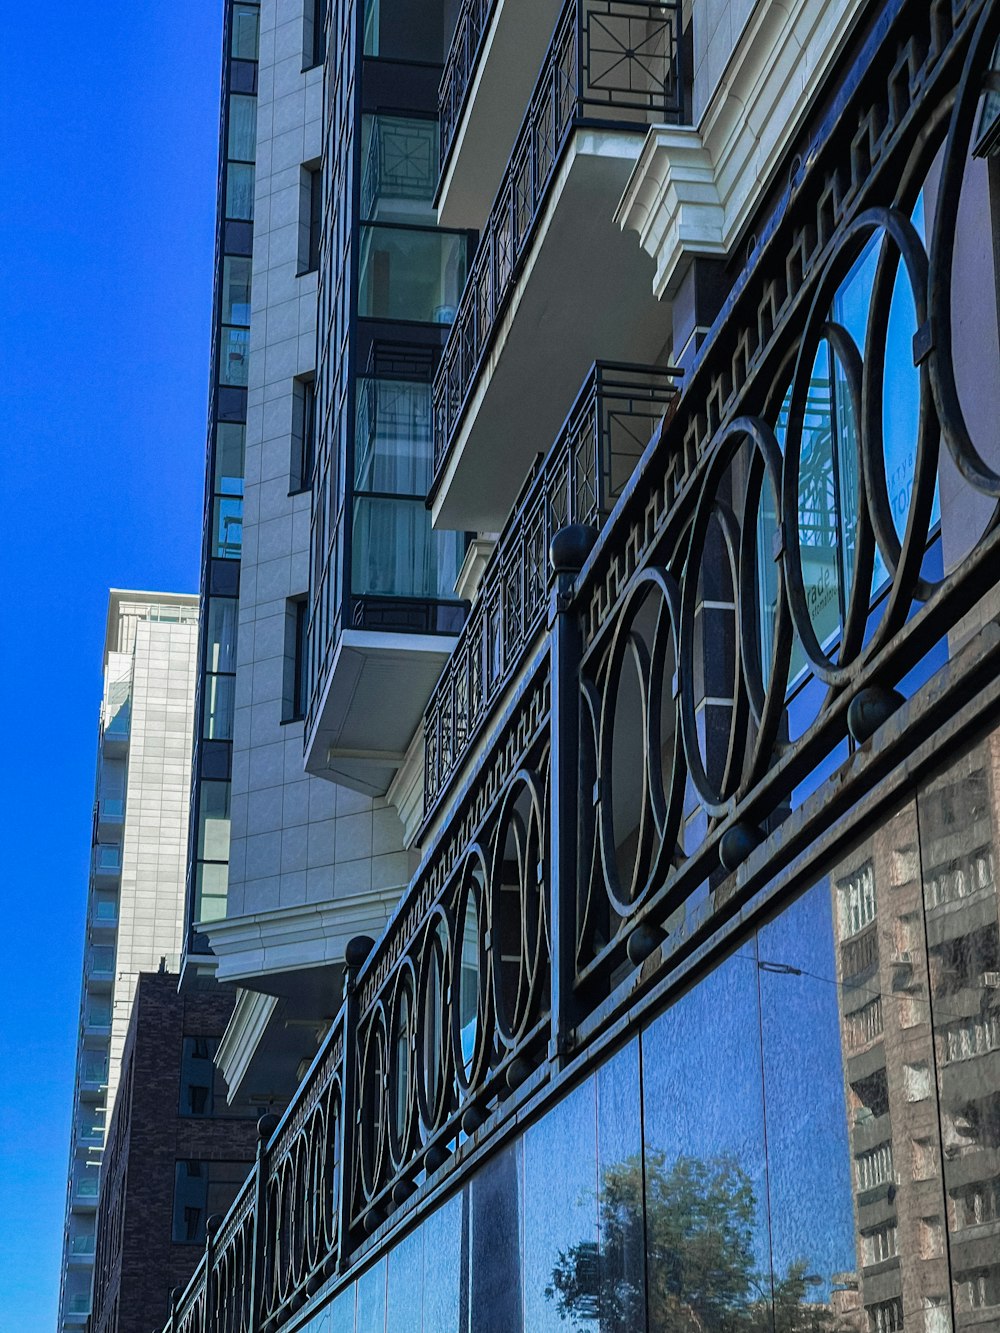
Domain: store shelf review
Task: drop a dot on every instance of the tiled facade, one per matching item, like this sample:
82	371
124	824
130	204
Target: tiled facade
135	908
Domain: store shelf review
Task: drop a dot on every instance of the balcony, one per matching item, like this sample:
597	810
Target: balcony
360	738
616	414
496	50
109	816
552	266
81	1250
117	718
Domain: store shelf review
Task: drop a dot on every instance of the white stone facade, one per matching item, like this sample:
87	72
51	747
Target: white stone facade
300	845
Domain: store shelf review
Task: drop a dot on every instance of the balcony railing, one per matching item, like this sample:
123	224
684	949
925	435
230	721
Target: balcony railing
538	930
611	62
473	21
613	419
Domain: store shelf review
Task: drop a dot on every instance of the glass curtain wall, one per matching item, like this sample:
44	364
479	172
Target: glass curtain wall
389	285
223	525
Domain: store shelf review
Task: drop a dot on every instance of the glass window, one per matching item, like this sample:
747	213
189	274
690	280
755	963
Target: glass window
242	127
409	30
102	958
397	554
221	634
303	433
201	1189
234	361
236	272
211	885
198	1076
219	700
230	450
239	191
410	274
393	437
213	821
227	528
246	32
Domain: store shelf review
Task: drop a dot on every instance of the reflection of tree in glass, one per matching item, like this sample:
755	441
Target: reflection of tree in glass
701	1274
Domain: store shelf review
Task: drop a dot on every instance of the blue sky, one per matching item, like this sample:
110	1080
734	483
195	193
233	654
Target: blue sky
108	145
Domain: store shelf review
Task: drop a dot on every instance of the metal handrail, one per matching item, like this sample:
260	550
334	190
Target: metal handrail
610	62
578	481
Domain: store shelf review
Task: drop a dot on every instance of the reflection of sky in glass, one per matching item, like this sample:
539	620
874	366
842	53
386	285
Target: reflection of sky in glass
808	1151
702	1082
560	1205
405	1284
442	1268
370	1317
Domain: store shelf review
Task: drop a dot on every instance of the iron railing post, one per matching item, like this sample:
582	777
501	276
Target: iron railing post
266	1126
568	552
212	1225
355	954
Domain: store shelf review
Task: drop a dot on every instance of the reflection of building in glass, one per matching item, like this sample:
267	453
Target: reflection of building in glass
958	816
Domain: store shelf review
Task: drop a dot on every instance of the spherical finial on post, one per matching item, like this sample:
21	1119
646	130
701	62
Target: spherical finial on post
570	548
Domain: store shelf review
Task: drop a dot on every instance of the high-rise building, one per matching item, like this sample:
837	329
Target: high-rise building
135	901
637	631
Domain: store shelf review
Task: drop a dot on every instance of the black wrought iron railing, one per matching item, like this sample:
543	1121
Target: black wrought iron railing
463	56
543	921
610	62
616	414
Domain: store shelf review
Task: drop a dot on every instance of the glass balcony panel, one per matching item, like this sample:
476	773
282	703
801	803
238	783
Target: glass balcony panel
95	1066
235	356
106	906
98	1015
410	274
397	554
102	959
393	437
400	156
239	191
227	528
81	1245
109	856
112	807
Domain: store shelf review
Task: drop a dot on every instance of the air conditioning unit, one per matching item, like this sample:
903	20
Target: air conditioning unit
990	980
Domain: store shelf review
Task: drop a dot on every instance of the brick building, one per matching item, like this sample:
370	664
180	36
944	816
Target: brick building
175	1154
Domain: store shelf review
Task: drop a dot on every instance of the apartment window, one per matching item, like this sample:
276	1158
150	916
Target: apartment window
200	1189
303	433
198	1076
246	32
220	668
857	902
311	219
886	1317
314	44
295	692
212	869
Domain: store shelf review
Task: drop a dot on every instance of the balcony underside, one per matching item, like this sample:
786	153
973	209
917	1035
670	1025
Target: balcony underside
499	90
584	292
373	703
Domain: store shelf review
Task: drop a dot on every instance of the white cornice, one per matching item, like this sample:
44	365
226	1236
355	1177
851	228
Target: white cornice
247	1025
694	188
262	944
406	792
